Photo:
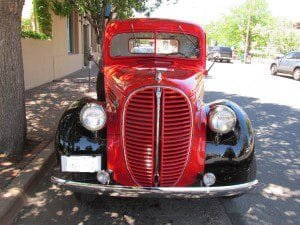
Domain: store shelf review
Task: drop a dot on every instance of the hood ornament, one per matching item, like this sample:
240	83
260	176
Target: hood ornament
158	76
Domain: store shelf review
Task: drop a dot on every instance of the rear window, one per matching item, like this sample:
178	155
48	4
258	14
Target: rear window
146	46
143	44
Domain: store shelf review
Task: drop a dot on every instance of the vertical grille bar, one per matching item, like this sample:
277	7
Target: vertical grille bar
157	138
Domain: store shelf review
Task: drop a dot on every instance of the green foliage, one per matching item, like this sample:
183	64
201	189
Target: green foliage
43	15
125	9
42	18
283	38
26	24
34	35
61	8
40	25
231	30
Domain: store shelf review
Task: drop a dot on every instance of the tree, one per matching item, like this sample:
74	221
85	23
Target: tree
283	38
12	102
244	28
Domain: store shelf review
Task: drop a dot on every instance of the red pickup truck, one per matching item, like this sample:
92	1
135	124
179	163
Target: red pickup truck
149	133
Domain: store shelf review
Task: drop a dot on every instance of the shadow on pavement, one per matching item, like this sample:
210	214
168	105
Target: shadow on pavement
46	103
277	198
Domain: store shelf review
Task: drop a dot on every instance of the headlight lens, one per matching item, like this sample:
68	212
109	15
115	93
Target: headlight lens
222	119
93	116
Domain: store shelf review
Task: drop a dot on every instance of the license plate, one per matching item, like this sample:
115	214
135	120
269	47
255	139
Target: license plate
84	164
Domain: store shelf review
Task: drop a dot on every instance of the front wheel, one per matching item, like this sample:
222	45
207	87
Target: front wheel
297	74
273	69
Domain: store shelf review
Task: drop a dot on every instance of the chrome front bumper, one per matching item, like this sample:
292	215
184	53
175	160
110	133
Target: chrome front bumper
166	192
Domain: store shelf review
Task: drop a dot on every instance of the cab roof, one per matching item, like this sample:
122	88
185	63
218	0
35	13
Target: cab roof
153	25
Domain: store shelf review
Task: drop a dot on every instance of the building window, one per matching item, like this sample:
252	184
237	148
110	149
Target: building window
72	33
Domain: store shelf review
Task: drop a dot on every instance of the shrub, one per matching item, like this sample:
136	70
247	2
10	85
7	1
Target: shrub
34	35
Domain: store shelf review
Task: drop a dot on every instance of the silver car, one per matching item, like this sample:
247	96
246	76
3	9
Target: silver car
288	64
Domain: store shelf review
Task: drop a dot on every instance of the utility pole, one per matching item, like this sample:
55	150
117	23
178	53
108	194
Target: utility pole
247	38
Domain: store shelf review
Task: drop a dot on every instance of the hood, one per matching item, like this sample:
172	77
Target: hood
125	79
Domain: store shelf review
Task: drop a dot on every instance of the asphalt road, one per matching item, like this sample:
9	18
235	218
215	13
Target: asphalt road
273	104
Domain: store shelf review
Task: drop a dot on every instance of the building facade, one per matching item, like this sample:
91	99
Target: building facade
67	51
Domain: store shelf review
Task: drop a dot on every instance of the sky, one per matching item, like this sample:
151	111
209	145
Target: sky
27	9
204	11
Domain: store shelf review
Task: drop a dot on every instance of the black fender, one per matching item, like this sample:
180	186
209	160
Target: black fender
231	156
100	87
74	139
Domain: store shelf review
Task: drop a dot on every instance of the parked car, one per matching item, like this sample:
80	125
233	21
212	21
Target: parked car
149	132
288	64
219	53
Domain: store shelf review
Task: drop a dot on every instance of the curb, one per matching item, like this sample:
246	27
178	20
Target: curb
13	197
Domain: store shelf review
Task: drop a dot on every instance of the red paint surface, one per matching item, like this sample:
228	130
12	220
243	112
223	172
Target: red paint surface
124	75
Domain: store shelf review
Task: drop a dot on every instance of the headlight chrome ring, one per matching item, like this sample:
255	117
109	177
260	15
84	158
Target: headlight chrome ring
93	116
222	119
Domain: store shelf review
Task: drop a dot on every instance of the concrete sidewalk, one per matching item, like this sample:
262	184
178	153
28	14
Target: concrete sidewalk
44	106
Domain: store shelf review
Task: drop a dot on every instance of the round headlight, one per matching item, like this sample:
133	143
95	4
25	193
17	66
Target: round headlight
222	119
93	116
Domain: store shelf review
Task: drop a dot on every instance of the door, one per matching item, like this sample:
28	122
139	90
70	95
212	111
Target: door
294	62
286	63
86	44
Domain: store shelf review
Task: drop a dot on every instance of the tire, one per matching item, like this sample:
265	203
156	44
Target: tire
80	196
251	176
296	74
273	69
228	61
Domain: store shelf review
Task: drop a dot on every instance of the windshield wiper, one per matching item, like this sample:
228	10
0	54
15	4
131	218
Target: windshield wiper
187	37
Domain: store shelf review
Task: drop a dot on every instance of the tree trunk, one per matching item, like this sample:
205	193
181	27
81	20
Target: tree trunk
247	38
12	99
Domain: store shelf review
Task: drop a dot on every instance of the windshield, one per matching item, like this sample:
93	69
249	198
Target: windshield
225	49
145	44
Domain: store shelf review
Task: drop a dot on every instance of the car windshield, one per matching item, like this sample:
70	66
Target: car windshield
145	44
225	49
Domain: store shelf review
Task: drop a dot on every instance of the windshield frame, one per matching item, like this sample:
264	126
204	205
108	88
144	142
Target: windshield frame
154	54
